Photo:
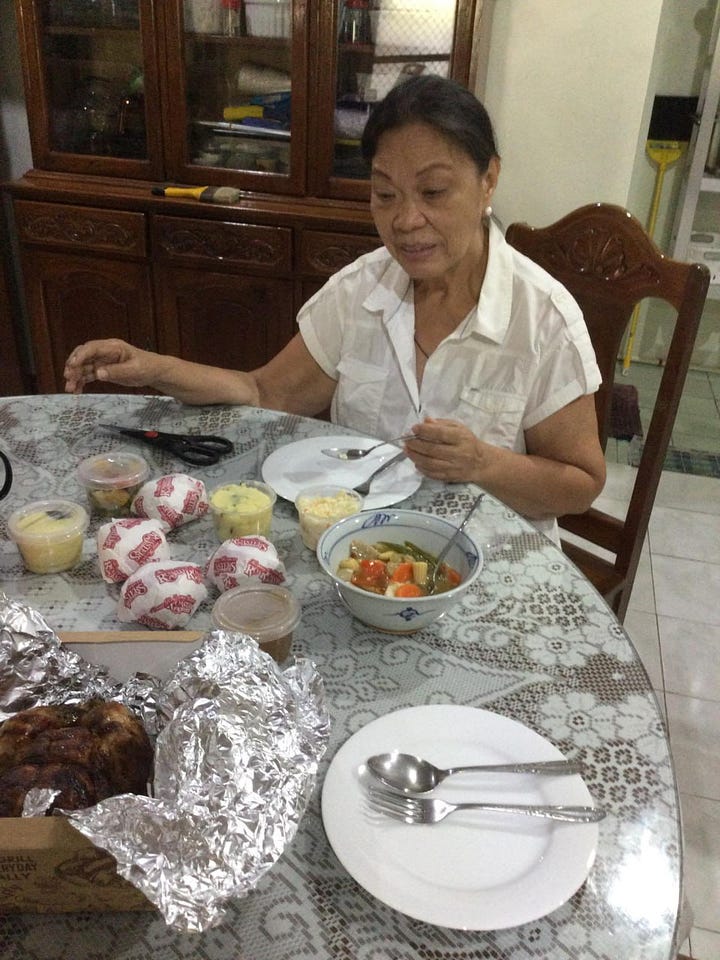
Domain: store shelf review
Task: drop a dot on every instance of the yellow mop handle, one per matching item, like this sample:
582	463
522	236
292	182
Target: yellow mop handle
663	153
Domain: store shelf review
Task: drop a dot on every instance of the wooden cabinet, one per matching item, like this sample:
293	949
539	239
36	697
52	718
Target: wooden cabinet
224	290
122	96
86	276
14	379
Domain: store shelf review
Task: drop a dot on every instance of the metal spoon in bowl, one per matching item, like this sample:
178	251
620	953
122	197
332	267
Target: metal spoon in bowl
410	774
435	570
357	453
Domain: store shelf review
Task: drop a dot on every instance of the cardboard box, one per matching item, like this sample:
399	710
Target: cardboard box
46	866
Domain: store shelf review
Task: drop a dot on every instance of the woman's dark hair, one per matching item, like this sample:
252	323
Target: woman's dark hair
443	104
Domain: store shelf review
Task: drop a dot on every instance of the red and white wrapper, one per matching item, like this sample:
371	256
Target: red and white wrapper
125	545
242	558
175	499
162	594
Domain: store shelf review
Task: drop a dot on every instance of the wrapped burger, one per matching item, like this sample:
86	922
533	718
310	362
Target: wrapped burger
174	498
243	558
124	545
162	594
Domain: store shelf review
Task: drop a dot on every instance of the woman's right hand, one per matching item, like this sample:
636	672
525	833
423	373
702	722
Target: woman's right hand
112	361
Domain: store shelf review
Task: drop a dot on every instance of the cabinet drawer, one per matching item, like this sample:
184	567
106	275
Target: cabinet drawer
60	225
180	240
322	254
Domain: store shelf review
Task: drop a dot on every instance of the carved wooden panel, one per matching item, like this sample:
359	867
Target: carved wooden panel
71	227
180	240
591	243
322	253
598	254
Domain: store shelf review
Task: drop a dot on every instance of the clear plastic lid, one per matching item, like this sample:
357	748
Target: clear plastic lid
47	520
263	611
118	468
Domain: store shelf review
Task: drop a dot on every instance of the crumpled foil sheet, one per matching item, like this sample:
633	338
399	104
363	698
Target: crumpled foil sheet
235	763
36	669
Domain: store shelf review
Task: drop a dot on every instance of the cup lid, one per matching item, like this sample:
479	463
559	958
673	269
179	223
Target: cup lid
118	468
264	611
329	490
52	519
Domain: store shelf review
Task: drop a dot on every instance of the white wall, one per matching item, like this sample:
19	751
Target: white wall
566	87
570	86
680	55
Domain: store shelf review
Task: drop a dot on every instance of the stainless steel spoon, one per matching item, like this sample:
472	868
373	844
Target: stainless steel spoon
357	453
435	570
410	774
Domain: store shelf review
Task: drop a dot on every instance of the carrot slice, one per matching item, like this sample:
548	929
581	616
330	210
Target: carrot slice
452	576
409	590
403	573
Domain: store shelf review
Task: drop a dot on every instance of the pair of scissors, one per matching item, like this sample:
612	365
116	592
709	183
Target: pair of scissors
198	449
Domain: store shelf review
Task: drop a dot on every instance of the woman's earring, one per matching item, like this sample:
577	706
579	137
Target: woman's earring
487	212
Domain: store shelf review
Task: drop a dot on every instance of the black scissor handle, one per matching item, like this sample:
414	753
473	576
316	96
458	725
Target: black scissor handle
199	449
203	450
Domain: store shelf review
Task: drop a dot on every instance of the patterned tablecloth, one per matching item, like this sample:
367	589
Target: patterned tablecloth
533	642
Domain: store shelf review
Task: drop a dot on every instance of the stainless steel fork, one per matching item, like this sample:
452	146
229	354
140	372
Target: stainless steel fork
433	809
364	488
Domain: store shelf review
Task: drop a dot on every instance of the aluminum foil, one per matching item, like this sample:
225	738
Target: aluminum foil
36	669
236	759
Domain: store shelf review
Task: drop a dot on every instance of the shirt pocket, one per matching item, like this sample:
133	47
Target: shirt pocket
359	395
493	415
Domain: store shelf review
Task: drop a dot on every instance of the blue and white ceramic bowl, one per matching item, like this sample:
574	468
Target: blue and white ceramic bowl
431	533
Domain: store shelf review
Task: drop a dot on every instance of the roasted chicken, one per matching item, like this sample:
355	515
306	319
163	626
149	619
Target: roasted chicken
87	752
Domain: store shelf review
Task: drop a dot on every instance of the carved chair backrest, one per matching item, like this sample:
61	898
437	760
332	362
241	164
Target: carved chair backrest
605	258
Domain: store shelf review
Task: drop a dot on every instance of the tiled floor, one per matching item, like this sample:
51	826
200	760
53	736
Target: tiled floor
674	621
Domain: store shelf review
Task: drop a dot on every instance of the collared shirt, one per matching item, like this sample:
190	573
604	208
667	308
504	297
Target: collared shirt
521	355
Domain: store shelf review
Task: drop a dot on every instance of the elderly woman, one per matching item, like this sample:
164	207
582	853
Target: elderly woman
445	331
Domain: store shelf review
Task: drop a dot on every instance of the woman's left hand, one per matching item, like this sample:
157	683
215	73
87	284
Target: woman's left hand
445	450
562	472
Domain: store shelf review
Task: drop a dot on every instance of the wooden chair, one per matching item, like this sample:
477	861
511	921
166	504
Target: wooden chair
607	261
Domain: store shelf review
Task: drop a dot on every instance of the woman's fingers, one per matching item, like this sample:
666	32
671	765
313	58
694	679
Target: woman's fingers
99	360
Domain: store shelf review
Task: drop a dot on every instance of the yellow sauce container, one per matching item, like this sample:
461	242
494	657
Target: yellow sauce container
49	534
242	509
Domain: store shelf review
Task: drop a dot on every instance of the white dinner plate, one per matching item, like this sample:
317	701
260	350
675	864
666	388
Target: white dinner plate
303	464
473	870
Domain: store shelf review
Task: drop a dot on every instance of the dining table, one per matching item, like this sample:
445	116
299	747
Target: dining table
532	645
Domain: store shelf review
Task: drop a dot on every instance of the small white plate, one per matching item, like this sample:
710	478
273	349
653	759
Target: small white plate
303	464
474	870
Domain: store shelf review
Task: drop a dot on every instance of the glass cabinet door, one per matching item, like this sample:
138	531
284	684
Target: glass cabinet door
243	78
94	84
380	43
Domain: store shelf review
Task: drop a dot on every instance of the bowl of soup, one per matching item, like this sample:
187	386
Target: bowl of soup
379	562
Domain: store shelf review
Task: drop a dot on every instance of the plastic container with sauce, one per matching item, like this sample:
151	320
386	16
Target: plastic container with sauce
242	509
319	507
111	481
49	534
266	612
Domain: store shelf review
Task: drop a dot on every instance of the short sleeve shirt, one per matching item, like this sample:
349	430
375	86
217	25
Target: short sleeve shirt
521	355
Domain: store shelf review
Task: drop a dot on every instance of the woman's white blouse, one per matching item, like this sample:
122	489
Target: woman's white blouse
520	356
